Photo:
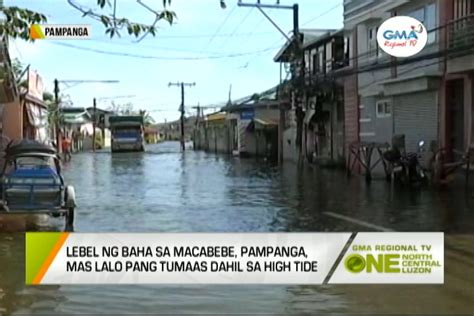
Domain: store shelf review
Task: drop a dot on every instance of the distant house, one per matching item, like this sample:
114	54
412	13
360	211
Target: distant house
253	125
76	119
151	134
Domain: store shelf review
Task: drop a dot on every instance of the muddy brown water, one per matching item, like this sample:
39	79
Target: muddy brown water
163	190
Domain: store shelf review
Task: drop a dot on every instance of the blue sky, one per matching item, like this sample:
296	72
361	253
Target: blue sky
202	30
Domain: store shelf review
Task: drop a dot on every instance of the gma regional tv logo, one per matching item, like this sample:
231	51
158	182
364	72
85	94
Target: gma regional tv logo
402	36
402	259
60	31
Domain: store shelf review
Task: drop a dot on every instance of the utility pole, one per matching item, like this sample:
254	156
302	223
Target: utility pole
299	56
57	103
182	85
56	109
94	123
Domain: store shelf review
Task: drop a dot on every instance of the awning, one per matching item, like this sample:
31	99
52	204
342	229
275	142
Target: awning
309	115
262	124
37	115
74	118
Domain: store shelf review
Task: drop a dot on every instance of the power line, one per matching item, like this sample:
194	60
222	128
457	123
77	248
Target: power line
237	27
220	27
123	54
323	14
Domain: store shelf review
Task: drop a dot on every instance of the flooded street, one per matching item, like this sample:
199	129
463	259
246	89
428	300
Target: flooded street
163	190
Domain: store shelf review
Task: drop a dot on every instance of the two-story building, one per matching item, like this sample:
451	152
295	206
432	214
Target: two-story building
395	96
457	98
292	94
324	97
424	97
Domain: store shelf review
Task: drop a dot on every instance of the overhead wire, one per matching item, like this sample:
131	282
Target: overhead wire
220	27
237	27
123	54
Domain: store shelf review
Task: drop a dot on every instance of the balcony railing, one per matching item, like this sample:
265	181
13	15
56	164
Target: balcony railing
461	36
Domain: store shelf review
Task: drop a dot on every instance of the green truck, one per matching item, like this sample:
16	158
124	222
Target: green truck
127	133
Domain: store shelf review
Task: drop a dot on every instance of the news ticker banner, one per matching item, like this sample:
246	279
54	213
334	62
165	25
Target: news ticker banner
235	258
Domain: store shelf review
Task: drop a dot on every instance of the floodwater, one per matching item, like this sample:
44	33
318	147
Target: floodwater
163	190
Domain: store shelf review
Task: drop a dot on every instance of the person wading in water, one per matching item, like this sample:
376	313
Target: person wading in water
66	148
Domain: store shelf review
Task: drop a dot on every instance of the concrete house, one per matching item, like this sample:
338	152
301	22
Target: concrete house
398	97
291	95
457	98
253	125
324	98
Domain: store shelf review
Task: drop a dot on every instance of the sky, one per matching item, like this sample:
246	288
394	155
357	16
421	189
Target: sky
213	47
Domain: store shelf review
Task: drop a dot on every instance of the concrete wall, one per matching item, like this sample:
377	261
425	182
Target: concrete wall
13	120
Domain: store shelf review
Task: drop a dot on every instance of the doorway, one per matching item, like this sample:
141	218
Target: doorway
455	115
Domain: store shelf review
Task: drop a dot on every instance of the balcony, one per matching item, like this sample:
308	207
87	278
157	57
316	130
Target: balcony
461	45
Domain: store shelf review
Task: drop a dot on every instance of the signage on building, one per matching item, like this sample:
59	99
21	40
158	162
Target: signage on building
402	36
247	115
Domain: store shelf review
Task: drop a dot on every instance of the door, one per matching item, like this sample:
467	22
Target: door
455	115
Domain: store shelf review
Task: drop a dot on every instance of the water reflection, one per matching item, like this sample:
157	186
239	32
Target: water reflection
164	190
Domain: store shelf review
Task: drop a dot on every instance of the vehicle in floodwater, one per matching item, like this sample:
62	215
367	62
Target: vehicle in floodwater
32	183
127	133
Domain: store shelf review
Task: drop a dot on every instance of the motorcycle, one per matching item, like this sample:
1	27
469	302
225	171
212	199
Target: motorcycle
407	167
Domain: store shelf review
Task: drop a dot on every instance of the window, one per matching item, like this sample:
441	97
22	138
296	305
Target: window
314	61
372	45
347	50
463	8
427	16
306	61
322	61
330	55
383	108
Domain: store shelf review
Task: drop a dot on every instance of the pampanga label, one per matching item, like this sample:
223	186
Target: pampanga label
240	258
60	31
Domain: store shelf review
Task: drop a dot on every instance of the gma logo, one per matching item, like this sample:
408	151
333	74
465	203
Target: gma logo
382	263
397	35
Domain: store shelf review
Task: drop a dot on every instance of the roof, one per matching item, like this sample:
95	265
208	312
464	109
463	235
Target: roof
308	35
28	146
216	116
33	99
91	109
323	37
151	129
75	115
264	99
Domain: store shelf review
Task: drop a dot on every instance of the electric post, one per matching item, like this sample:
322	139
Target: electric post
57	116
298	75
58	107
94	123
182	85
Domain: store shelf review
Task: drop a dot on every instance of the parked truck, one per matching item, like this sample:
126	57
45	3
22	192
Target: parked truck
127	133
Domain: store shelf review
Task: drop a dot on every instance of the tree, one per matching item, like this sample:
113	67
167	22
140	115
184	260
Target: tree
147	118
18	20
121	109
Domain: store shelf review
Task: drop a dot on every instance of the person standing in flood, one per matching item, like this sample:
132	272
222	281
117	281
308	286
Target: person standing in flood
66	147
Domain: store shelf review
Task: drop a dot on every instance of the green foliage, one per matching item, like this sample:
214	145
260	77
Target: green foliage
147	118
17	68
18	20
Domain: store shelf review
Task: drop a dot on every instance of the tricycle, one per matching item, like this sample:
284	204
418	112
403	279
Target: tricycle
32	184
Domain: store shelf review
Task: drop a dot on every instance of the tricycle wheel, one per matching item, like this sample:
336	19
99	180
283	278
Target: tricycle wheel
70	219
